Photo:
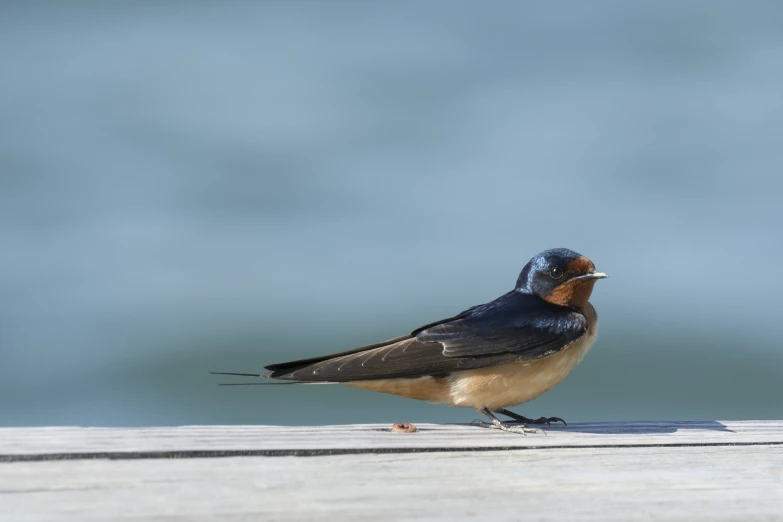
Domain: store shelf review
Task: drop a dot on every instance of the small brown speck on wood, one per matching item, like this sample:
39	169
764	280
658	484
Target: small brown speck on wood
404	427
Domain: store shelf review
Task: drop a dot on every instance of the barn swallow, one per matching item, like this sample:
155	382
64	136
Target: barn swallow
491	356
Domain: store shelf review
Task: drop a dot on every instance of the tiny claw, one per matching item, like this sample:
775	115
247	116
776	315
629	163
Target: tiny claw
498	425
503	426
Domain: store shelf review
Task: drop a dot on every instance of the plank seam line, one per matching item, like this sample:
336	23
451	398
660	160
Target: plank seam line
324	452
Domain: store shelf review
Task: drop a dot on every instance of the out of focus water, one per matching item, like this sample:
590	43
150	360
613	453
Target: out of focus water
188	187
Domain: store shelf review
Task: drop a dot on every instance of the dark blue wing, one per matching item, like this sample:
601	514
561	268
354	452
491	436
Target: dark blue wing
516	323
514	327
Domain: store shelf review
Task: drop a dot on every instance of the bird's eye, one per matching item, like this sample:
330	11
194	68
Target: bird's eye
556	273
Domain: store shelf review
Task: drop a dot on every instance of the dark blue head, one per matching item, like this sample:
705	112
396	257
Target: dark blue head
560	276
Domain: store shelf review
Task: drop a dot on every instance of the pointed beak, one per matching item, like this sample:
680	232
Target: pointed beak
591	275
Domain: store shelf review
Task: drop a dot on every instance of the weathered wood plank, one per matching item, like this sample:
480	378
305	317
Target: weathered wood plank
630	471
555	484
20	443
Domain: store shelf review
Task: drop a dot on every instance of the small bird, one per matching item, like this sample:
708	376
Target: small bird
491	356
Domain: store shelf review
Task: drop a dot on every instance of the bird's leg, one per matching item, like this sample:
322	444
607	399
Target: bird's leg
496	424
525	420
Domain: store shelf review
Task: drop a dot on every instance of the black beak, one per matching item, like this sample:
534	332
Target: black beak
591	275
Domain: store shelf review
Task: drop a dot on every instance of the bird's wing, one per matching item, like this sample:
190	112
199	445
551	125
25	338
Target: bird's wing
403	359
525	341
506	330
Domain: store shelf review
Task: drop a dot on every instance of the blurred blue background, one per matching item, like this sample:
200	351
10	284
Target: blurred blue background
188	187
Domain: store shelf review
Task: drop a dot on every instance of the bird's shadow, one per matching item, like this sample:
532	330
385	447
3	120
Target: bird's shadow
629	428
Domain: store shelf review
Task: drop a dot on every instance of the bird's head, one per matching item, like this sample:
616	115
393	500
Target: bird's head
559	276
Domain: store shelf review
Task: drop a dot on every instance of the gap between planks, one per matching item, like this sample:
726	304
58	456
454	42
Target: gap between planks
205	454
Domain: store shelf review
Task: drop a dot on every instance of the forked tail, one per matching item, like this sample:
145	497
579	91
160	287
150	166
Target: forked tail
259	383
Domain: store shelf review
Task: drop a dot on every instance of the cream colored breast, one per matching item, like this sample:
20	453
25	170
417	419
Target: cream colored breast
510	384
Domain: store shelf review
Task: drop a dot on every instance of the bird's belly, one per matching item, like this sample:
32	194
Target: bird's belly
513	383
497	387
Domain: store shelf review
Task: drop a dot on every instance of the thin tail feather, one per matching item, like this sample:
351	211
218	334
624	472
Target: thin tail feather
259	383
269	383
240	374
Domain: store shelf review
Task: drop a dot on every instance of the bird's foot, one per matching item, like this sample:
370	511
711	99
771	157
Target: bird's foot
541	420
497	425
524	420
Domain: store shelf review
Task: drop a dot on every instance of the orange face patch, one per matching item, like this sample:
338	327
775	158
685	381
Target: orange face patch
572	293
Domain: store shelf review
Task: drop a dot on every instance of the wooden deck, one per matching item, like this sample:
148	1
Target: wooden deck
604	471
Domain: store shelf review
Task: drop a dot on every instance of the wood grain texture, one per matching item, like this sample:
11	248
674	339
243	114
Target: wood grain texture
21	443
630	471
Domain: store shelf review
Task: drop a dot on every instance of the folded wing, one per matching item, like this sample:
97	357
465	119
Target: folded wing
514	327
